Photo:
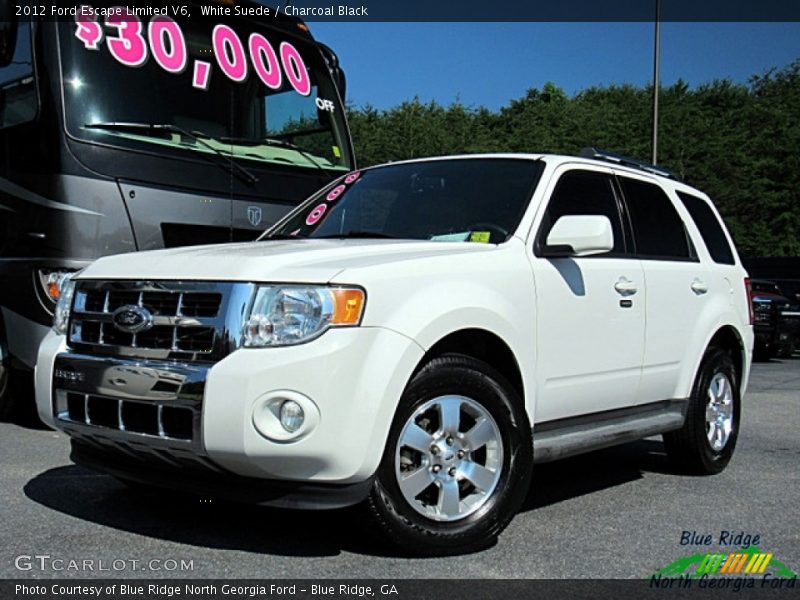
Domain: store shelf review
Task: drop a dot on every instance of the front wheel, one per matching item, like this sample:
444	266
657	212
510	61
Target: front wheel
705	443
457	464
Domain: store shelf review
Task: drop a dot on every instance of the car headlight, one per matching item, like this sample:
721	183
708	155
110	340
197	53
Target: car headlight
51	281
64	305
294	314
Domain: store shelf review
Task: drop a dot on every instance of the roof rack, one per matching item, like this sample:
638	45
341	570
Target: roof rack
613	157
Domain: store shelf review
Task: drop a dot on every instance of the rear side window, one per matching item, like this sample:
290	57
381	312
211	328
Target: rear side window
18	102
709	227
657	226
584	193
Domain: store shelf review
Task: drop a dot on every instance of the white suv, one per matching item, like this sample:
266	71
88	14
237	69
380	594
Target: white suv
413	337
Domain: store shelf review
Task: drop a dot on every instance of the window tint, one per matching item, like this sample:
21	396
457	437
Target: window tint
710	228
584	193
657	227
17	89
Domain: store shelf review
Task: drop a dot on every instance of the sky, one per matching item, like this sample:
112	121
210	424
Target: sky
489	64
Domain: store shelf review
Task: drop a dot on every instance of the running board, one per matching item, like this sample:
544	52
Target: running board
554	440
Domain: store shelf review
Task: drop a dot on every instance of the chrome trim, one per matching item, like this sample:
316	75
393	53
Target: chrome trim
129	382
720	415
554	440
227	324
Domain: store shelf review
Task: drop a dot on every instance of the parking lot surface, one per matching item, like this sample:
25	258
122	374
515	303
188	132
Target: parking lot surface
616	513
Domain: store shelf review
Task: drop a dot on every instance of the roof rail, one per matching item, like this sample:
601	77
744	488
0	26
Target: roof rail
613	157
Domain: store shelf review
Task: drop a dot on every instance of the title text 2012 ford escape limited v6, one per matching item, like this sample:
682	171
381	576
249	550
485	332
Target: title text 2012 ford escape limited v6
413	337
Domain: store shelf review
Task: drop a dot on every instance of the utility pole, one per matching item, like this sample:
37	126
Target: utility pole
656	80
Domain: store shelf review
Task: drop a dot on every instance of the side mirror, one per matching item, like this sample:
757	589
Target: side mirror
579	235
336	71
8	33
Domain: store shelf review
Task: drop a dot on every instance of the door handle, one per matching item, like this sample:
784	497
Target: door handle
699	286
625	287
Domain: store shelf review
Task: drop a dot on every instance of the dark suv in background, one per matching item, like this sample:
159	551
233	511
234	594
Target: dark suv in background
776	321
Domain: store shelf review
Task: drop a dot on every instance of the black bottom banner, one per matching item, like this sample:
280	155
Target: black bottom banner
435	589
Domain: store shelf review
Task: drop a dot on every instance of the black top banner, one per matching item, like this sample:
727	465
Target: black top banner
450	10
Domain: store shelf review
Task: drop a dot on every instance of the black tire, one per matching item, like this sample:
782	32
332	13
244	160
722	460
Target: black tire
689	447
785	351
763	352
419	535
7	396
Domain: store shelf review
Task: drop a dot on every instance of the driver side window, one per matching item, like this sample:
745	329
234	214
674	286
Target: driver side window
584	193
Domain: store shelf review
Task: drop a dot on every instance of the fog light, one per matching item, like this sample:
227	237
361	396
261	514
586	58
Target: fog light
292	416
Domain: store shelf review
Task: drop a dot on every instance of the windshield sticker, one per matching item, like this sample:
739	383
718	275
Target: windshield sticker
89	31
480	237
265	61
335	193
163	33
316	214
202	75
451	237
229	51
320	210
129	47
325	105
163	38
295	69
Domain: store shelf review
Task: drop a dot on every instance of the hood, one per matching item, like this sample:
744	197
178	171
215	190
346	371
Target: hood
291	261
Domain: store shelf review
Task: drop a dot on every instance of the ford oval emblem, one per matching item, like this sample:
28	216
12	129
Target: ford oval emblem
132	319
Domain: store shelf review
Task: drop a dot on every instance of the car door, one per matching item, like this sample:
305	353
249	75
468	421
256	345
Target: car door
589	310
678	285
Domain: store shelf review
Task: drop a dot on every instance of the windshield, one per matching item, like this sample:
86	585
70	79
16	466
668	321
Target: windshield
248	91
462	200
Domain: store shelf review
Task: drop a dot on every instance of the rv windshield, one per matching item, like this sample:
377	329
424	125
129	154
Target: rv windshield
236	87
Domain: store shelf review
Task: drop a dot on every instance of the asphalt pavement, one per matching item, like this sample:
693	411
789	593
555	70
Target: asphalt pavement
618	513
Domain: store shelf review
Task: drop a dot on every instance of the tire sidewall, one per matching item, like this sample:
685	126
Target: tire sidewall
476	381
716	361
6	400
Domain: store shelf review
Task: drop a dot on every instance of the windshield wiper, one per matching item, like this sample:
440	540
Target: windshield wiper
278	143
356	234
227	162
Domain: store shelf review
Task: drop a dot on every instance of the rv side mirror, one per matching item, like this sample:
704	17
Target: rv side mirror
336	71
579	235
341	82
8	33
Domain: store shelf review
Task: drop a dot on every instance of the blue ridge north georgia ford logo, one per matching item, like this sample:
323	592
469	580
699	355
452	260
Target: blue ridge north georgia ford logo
132	319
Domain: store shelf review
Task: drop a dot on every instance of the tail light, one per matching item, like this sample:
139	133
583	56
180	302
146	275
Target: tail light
749	289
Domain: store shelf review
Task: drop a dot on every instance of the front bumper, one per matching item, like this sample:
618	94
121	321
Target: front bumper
266	492
352	379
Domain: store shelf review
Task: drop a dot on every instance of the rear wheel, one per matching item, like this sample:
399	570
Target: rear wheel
705	443
457	464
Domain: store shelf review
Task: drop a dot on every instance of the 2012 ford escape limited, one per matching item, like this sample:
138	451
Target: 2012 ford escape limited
413	337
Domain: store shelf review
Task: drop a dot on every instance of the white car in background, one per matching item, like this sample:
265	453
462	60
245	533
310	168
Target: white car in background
414	337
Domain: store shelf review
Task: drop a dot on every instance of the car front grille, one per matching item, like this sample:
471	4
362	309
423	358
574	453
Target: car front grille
763	313
130	401
188	321
147	418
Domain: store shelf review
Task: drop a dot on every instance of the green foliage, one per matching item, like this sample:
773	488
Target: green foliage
738	143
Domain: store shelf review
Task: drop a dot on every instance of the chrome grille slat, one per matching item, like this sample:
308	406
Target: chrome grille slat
161	431
189	320
160	412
